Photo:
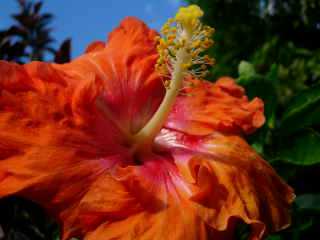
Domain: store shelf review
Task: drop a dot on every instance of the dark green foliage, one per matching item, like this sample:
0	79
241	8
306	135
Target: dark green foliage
302	111
30	37
298	68
246	28
24	220
303	149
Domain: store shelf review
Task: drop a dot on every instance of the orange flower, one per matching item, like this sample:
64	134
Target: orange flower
66	143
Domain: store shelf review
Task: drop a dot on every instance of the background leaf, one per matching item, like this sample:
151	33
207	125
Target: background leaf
309	202
302	111
303	149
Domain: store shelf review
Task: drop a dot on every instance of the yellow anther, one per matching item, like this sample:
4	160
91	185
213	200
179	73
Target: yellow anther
186	66
208	30
173	29
206	58
207	43
171	37
189	16
170	21
163	44
203	74
196	53
210	62
203	67
165	29
196	44
170	42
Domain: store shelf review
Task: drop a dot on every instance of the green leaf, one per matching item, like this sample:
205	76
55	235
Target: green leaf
303	149
274	237
285	170
302	111
242	231
246	69
309	202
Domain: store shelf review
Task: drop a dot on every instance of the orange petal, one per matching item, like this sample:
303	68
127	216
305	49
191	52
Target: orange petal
173	223
14	77
106	199
125	66
95	46
206	107
154	205
64	126
232	181
151	201
45	154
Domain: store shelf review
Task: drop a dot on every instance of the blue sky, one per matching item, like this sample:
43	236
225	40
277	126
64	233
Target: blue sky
88	20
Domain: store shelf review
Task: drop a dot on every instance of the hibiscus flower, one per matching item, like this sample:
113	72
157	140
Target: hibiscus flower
125	142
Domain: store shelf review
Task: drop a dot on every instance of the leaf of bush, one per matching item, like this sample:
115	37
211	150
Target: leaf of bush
309	202
246	69
303	149
274	237
302	111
